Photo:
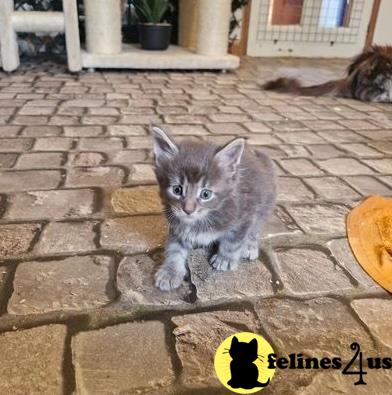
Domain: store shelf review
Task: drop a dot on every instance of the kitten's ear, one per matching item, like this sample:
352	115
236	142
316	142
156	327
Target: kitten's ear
234	341
230	155
164	147
253	343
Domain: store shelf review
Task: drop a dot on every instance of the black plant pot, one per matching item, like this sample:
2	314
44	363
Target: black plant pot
155	37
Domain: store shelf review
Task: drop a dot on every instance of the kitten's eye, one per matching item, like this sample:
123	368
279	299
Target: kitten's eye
206	194
177	190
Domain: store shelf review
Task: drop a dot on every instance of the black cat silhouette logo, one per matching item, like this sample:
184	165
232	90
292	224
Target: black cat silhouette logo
241	363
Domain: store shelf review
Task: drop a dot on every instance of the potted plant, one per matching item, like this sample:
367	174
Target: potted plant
154	31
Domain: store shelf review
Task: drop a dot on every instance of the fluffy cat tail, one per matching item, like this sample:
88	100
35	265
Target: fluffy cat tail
293	86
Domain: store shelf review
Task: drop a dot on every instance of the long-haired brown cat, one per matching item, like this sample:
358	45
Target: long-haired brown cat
369	78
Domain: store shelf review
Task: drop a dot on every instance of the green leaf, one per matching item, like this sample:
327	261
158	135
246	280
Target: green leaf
151	11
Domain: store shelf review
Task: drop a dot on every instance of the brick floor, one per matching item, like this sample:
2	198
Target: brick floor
81	231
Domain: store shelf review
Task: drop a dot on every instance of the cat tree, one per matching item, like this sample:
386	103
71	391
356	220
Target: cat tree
12	22
203	36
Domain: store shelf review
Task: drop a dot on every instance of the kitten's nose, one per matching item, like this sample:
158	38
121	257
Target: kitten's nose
189	207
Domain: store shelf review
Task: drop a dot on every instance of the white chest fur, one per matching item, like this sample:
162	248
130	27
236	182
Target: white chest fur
199	239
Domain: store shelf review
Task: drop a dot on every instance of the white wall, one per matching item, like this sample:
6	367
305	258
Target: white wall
383	31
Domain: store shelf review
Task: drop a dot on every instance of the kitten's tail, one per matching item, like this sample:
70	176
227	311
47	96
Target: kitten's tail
293	86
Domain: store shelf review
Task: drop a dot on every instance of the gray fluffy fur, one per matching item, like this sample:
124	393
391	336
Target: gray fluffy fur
244	192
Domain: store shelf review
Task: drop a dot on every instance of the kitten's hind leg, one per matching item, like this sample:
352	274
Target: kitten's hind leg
250	250
171	274
229	251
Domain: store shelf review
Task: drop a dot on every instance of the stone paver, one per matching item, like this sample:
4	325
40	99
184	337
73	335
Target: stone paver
197	336
4	273
121	358
344	166
29	180
126	130
324	151
137	200
7	160
188	129
15	145
377	382
305	271
361	150
383	146
9	130
40	160
368	186
280	224
249	280
341	250
16	239
383	166
332	188
143	174
41	131
300	167
86	159
101	144
66	237
94	176
34	362
128	157
135	282
58	204
318	327
293	190
134	235
82	230
83	131
375	314
75	283
285	381
327	219
53	144
387	180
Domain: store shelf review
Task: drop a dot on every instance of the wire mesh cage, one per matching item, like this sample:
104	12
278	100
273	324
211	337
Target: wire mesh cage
332	21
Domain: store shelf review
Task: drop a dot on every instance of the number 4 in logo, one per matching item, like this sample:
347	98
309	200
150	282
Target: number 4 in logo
356	347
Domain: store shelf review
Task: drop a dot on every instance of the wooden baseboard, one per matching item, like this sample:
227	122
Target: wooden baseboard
239	47
372	23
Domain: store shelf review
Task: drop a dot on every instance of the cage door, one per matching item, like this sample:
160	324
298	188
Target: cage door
308	28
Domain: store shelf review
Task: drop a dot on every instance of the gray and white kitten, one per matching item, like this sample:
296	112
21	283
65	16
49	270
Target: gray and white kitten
213	196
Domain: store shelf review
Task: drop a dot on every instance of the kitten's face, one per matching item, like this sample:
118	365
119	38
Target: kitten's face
194	177
192	198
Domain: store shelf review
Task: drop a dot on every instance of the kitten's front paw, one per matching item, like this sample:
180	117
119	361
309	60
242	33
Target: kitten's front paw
168	278
220	262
